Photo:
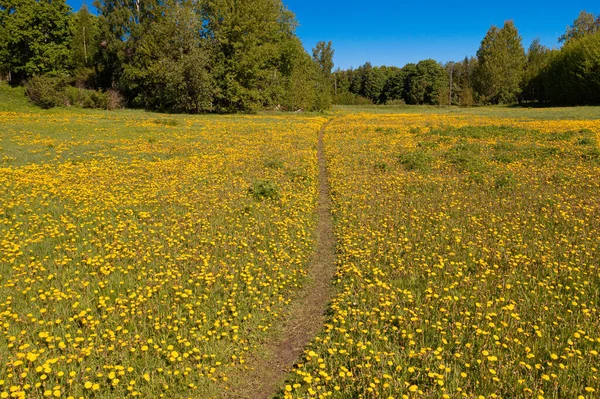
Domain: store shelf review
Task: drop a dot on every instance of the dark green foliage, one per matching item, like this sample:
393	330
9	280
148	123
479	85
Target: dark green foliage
244	56
532	86
264	189
48	92
300	89
368	82
426	83
573	74
84	43
170	68
347	98
500	67
45	91
463	81
394	90
172	55
323	56
413	84
34	37
255	52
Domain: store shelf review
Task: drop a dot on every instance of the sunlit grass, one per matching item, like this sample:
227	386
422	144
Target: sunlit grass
153	255
468	260
135	259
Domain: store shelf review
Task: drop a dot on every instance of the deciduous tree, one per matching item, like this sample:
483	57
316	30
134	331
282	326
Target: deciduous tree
584	24
501	63
35	37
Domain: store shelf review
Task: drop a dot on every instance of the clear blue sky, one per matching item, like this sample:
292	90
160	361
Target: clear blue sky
396	32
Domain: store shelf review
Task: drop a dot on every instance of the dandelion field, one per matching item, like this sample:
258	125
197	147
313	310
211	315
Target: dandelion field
468	260
148	256
154	255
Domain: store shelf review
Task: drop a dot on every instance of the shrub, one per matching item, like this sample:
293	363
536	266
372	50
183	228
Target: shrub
396	102
84	78
45	91
98	100
50	92
264	189
115	99
347	98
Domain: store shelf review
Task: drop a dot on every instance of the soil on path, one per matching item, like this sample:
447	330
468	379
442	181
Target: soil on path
307	315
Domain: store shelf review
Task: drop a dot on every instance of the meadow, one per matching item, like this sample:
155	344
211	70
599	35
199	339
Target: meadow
468	258
156	255
144	254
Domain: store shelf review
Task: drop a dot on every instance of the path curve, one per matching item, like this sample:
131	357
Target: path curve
307	314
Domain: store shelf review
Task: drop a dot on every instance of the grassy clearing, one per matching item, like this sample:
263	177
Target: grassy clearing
144	254
151	254
468	260
553	113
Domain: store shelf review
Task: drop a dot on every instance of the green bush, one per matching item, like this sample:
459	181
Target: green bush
45	92
347	98
50	92
264	189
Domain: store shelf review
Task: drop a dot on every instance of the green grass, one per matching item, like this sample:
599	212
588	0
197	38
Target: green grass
167	249
539	113
467	266
162	248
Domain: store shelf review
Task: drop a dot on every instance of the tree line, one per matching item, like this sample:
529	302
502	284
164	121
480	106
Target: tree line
501	73
171	55
244	55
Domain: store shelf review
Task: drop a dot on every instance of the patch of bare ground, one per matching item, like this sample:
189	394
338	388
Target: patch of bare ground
268	370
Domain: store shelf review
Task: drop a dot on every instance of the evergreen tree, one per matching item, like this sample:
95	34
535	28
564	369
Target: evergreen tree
409	72
463	81
369	82
501	63
393	90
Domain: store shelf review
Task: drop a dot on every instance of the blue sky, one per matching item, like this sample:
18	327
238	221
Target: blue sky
397	32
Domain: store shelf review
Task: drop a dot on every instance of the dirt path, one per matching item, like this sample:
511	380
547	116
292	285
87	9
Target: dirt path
307	315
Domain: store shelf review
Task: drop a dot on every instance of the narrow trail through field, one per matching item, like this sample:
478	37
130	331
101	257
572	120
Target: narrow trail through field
307	314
